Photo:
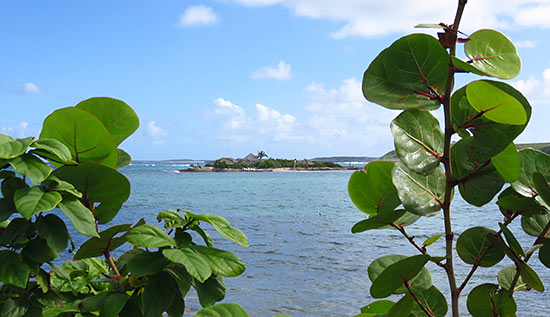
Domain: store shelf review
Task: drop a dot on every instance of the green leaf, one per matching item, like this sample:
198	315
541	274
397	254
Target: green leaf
205	236
124	159
418	140
149	236
507	164
474	247
544	253
30	201
532	161
432	239
32	167
16	232
10	148
99	184
94	303
541	186
132	307
462	66
52	229
429	26
81	217
177	309
506	277
14	307
223	227
211	291
403	307
119	118
182	278
372	190
534	225
379	307
4	223
60	152
397	274
171	219
530	277
38	251
422	281
194	263
97	246
493	53
486	300
223	310
433	300
158	294
146	263
495	104
420	194
113	304
512	241
54	183
221	262
510	201
378	221
12	269
83	134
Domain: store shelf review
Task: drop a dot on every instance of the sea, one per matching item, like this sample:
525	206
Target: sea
303	259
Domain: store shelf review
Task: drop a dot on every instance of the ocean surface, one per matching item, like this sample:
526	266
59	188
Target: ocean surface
303	259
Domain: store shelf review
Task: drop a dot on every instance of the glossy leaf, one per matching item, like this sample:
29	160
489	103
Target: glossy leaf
474	247
506	277
433	300
222	310
15	307
372	190
422	281
493	53
113	304
119	118
81	217
495	104
221	262
54	183
402	308
99	184
418	140
534	225
420	194
510	201
146	263
378	221
512	241
177	309
171	219
211	291
194	263
96	246
60	152
149	236
38	251
158	294
223	227
10	147
507	164
12	269
462	66
52	229
432	239
32	167
532	161
30	201
486	300
124	159
83	134
541	186
396	274
379	307
530	277
544	253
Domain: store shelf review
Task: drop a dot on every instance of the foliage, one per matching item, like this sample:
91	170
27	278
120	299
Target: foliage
72	169
274	163
415	74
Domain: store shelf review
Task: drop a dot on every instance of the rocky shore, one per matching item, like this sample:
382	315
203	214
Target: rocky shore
208	169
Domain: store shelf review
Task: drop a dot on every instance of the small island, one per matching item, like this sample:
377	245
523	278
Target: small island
256	163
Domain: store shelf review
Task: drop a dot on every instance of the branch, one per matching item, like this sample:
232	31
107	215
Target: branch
424	309
421	249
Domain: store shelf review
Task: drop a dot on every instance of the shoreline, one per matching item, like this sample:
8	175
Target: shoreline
266	170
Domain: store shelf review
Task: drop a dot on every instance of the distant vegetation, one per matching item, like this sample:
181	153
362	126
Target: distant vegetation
270	163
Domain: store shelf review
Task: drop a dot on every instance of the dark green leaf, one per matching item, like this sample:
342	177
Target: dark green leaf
32	167
397	274
403	307
420	194
132	307
486	300
171	219
12	269
510	201
221	262
83	134
30	201
10	148
422	281
149	236
433	300
506	276
177	308
158	294
60	152
223	227
124	159
493	53
54	183
378	221
38	251
530	277
541	186
223	310
418	140
211	291
17	232
379	307
534	225
119	118
544	253
512	241
182	278
532	161
94	303
205	236
146	263
372	190
52	229
14	307
113	305
97	246
81	217
194	263
474	247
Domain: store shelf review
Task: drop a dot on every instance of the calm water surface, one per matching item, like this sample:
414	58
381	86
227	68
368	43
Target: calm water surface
303	259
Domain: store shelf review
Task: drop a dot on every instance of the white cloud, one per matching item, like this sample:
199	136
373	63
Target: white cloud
537	90
32	89
198	16
157	133
371	18
233	115
19	130
281	72
257	3
525	44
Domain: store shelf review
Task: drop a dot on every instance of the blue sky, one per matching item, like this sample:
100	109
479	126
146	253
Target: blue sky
228	77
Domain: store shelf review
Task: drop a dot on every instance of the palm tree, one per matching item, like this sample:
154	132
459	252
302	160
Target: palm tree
261	155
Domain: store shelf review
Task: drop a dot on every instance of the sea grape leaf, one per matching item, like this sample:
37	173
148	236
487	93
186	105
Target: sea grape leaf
52	229
403	307
534	225
510	201
532	161
124	159
223	227
462	66
486	300
60	152
119	118
149	236
396	274
171	219
507	163
211	291
495	104
38	251
158	294
99	184
194	263
474	247
493	53
11	148
378	221
432	239
544	253
96	246
506	277
432	299
54	183
379	307
146	263
32	167
83	134
372	190
12	269
530	277
221	310
512	241
15	307
177	308
30	201
204	235
221	262
113	304
541	186
420	194
418	140
81	217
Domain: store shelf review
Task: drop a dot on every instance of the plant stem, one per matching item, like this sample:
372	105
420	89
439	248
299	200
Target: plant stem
450	181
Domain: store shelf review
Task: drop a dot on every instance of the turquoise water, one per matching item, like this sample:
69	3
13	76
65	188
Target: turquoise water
303	259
